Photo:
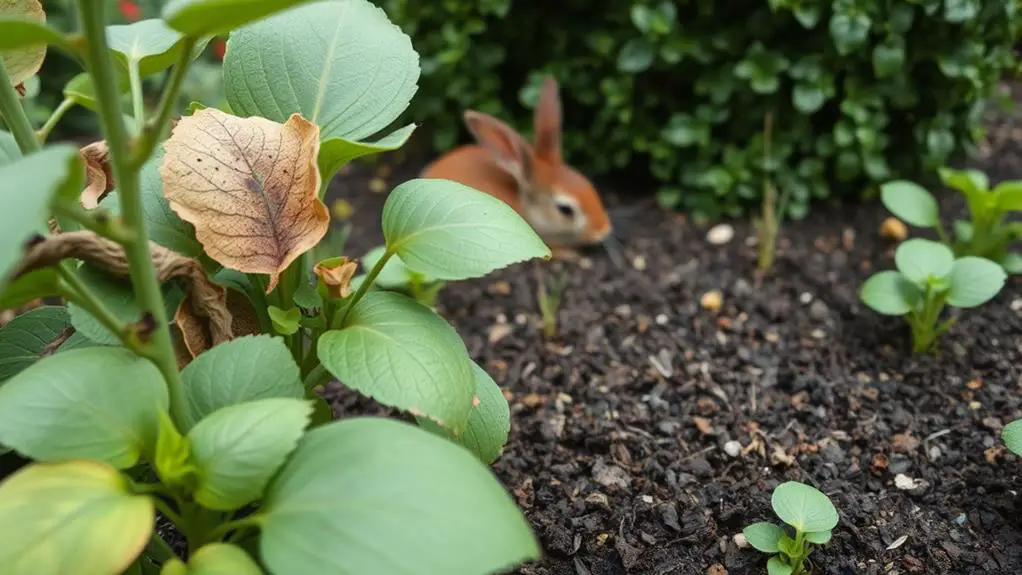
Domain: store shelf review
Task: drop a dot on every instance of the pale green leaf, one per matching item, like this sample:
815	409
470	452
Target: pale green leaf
763	536
890	293
28	287
95	403
27	187
9	150
118	297
803	507
1012	436
76	517
400	353
974	281
23	38
81	91
1009	196
910	202
966	181
395	274
343	65
213	17
921	260
148	44
819	537
489	423
24	338
238	448
285	321
356	490
450	231
244	369
963	230
1012	263
222	559
776	567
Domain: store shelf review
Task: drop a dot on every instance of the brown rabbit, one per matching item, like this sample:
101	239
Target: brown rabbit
557	201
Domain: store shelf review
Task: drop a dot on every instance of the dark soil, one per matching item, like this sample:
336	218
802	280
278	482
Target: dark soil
619	423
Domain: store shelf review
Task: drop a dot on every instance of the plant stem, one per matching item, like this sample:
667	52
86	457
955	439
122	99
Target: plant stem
235	525
110	229
79	294
317	376
169	513
54	119
14	114
137	103
362	289
152	131
158	549
143	276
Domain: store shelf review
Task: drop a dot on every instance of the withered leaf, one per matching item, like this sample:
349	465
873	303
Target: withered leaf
249	186
99	179
336	274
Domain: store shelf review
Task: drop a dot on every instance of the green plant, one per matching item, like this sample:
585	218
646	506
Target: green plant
805	509
398	277
1012	436
549	298
212	420
862	91
928	278
987	234
769	224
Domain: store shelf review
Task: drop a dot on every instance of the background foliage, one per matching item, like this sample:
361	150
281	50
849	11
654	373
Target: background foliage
861	90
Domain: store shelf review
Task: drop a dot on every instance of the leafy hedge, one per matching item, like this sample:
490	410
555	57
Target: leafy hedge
860	91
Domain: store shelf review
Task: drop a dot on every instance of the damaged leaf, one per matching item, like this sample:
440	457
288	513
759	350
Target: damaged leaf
335	274
99	178
249	186
24	62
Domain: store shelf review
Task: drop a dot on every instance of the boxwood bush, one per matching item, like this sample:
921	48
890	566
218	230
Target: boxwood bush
860	91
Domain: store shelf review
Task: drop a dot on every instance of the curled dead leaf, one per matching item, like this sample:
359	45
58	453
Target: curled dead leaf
250	187
99	178
336	274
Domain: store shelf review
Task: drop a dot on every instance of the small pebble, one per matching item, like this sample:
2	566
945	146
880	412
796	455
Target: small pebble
623	310
1016	304
805	297
661	319
720	234
639	263
711	301
818	310
893	229
733	448
740	541
377	185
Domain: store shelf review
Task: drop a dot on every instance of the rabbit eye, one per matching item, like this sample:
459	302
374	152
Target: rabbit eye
566	210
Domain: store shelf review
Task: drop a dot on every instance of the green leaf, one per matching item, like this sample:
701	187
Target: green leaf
242	370
214	17
849	31
489	423
968	182
307	297
400	353
922	261
356	490
641	17
238	448
910	202
788	547
23	41
96	403
24	338
222	559
36	284
974	281
352	93
76	517
1009	196
164	226
1012	263
818	537
1012	436
285	321
807	98
9	150
28	187
763	536
636	56
81	91
776	567
889	57
173	457
449	231
963	230
395	274
148	44
118	297
890	293
803	507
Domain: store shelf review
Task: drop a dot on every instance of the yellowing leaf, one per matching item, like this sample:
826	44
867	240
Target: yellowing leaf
23	63
249	186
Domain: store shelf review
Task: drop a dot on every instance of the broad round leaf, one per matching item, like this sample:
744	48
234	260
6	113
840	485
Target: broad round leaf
148	44
450	231
1009	196
1012	436
910	202
24	338
488	425
974	281
357	490
776	567
1012	263
918	260
9	150
803	507
222	559
241	370
118	297
77	517
890	293
95	403
25	35
27	187
238	448
763	536
819	537
213	17
350	91
400	353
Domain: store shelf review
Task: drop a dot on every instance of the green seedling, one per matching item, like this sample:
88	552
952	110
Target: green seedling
987	234
768	227
549	299
1012	436
808	512
398	277
928	278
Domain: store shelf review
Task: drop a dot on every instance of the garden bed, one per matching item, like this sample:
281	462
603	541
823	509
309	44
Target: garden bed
620	424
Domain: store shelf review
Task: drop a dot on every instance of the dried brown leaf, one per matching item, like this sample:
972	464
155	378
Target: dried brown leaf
24	62
336	275
99	178
250	187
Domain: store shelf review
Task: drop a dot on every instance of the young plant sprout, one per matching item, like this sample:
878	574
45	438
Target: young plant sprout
928	278
550	301
808	512
1012	436
396	276
986	234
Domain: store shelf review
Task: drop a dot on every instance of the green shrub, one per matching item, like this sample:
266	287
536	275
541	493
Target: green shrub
861	91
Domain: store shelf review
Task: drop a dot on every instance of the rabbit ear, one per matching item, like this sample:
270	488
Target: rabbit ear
510	149
547	122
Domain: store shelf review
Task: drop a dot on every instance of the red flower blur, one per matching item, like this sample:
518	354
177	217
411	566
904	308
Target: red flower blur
129	10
